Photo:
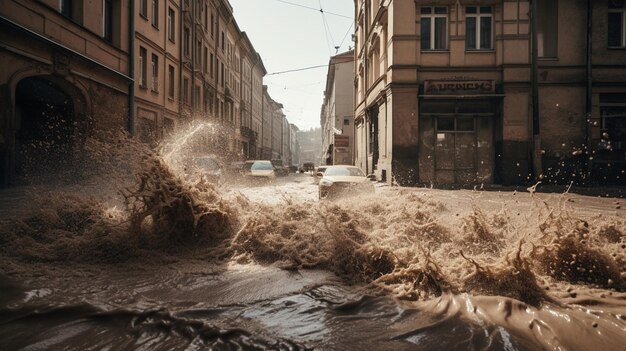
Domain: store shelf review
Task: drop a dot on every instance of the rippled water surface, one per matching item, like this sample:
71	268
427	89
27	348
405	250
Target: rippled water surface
157	259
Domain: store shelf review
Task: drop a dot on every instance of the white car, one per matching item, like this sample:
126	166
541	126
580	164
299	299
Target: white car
342	180
260	169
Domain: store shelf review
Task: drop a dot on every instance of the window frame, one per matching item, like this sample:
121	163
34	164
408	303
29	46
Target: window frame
107	21
155	14
432	16
143	9
478	16
171	25
621	11
172	83
143	74
155	73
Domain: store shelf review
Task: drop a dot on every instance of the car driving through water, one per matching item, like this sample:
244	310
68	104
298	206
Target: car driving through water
260	170
342	180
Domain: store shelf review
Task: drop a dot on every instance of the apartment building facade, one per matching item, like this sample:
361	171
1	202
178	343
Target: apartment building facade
457	91
337	115
64	74
70	69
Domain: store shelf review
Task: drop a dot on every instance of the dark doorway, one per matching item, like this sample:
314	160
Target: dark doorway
44	131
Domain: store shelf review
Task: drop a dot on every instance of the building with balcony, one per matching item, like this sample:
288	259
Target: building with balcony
490	91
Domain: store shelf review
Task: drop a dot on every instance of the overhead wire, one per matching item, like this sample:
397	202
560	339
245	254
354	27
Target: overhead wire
326	31
314	9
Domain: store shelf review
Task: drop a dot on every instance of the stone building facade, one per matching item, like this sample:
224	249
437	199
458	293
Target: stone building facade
337	115
64	74
69	69
457	91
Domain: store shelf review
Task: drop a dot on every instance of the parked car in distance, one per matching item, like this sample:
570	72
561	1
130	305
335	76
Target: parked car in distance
209	167
343	180
260	170
308	167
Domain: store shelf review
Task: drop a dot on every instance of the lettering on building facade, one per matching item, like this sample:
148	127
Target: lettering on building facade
456	87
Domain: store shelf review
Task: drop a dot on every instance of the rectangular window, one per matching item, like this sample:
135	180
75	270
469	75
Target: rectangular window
613	126
206	16
155	72
617	24
186	91
187	42
171	81
211	63
155	13
346	121
143	8
171	25
107	20
199	52
66	8
205	59
196	101
434	28
547	28
212	25
222	41
478	27
143	56
222	74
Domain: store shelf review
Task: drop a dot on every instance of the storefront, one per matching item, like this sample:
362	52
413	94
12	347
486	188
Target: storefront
457	120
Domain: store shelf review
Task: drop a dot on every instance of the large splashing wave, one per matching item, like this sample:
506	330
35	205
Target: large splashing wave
404	243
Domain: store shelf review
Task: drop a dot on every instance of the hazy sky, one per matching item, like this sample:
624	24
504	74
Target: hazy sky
293	34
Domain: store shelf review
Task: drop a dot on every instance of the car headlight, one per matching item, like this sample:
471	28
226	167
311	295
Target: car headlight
325	182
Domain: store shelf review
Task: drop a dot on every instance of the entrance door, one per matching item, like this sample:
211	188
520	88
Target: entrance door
455	149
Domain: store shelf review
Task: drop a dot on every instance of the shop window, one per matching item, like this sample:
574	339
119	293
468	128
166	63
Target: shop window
478	27
465	124
613	114
434	28
547	28
617	24
445	124
455	124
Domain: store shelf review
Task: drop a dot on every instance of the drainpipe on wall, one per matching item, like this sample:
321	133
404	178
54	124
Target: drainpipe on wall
365	87
536	147
589	85
131	67
193	56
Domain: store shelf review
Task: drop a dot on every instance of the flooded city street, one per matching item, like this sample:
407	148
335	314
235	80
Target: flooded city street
184	264
313	175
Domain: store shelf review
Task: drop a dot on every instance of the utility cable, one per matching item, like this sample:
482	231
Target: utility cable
296	70
314	9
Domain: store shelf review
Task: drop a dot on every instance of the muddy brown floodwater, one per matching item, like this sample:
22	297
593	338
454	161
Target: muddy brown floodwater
171	262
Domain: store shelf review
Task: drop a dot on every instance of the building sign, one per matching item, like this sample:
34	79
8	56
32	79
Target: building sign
459	87
342	141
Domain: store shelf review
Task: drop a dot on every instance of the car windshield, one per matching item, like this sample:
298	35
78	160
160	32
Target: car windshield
344	171
262	166
207	164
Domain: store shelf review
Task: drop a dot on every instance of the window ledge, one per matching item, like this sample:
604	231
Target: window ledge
479	51
435	51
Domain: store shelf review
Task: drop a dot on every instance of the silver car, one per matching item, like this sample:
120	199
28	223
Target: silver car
343	180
